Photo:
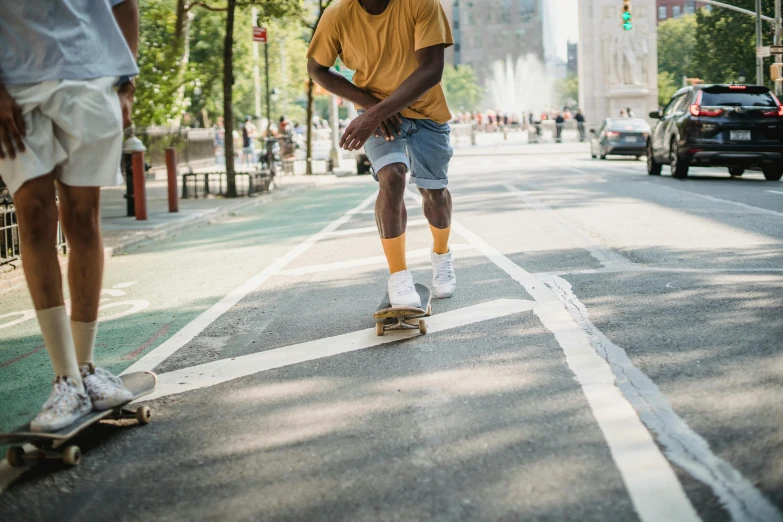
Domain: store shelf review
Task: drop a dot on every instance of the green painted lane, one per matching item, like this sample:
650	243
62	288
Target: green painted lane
158	288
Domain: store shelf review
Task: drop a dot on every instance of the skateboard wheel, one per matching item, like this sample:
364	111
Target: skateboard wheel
15	456
379	329
144	414
422	326
72	455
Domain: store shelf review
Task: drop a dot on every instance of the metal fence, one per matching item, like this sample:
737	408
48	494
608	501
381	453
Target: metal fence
9	233
191	144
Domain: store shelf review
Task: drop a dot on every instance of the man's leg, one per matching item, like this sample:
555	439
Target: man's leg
436	204
80	218
391	217
36	209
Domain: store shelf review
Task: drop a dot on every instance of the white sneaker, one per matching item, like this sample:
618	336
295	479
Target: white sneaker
402	291
105	389
444	280
65	405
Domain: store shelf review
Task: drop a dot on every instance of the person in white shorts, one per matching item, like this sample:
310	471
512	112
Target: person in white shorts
66	92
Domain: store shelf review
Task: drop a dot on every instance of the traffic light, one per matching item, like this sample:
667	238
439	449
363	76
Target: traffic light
627	17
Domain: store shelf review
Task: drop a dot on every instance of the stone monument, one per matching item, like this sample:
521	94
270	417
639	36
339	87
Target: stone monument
618	69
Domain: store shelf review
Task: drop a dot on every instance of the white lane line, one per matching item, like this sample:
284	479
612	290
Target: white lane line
640	268
682	445
374	229
606	256
195	327
774	191
210	374
719	200
353	263
651	483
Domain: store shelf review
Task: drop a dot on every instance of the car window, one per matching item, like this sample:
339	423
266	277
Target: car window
629	124
671	108
738	99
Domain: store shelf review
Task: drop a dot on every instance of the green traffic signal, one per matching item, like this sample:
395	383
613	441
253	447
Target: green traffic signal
627	26
627	16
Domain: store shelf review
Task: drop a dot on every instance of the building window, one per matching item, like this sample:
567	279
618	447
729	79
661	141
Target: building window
662	12
676	11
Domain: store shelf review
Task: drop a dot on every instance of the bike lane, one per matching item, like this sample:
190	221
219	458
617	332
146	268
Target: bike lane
152	292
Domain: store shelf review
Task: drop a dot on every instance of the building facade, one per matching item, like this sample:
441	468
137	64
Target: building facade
486	31
666	9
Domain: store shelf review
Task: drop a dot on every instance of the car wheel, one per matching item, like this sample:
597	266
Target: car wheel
678	165
773	172
736	171
653	167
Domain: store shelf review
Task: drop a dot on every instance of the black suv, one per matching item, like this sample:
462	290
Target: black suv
734	126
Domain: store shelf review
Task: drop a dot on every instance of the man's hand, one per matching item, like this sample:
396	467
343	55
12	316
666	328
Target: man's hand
125	94
12	127
389	127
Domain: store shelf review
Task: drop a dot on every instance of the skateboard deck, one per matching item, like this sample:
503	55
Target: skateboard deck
140	384
390	318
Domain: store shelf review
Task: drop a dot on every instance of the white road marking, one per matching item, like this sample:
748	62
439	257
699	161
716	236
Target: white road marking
210	374
641	268
124	285
195	327
372	229
682	445
719	200
353	263
651	483
774	191
606	256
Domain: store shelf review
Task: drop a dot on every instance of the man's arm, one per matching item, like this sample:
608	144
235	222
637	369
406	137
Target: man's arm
126	13
338	85
426	76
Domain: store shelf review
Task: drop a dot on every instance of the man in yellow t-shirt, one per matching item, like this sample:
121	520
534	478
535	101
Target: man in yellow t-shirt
396	48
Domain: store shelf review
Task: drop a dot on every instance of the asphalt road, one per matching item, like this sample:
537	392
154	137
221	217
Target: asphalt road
614	352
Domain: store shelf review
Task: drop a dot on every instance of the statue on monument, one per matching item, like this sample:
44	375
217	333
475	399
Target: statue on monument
626	54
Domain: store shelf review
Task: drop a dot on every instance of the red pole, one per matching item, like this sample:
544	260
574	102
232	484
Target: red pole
171	170
139	186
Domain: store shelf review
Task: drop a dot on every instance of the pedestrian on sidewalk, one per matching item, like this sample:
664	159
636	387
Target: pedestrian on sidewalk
397	50
248	142
66	92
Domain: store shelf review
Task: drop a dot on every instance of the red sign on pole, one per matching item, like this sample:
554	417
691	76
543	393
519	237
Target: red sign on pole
259	34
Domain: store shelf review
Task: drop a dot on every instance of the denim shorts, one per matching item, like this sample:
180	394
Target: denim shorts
424	148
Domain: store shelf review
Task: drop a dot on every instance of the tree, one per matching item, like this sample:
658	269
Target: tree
726	41
676	45
322	5
568	90
667	86
463	92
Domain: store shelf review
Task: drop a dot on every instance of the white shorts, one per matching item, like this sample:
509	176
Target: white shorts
75	125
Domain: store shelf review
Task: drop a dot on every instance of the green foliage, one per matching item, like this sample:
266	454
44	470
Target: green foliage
676	45
726	41
667	86
568	90
160	59
462	89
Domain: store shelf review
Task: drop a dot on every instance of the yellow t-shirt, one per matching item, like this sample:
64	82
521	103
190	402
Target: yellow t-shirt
381	48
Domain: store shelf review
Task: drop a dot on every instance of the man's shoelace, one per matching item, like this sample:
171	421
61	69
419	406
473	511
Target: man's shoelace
102	381
444	270
403	286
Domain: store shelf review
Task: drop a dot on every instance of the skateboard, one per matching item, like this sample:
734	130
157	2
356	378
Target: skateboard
48	444
389	318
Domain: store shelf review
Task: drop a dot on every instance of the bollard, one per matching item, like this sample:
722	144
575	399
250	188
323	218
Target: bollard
171	171
139	186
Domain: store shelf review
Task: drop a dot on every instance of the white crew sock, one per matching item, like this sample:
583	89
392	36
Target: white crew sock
56	332
84	341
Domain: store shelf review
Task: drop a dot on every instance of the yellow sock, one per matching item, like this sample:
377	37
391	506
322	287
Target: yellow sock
440	238
395	253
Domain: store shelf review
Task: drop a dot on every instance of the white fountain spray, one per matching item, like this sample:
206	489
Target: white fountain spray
520	87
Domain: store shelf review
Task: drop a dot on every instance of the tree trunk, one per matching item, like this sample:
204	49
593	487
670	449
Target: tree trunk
309	124
228	111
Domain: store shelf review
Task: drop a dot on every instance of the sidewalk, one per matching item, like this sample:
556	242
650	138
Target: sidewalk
121	232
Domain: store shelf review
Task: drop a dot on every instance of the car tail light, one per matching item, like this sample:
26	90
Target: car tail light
612	135
779	111
737	87
697	110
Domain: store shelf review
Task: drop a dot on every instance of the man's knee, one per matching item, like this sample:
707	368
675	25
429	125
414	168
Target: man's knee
82	222
434	196
392	178
36	210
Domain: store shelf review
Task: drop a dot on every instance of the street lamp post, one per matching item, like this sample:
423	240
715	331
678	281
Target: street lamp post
759	58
